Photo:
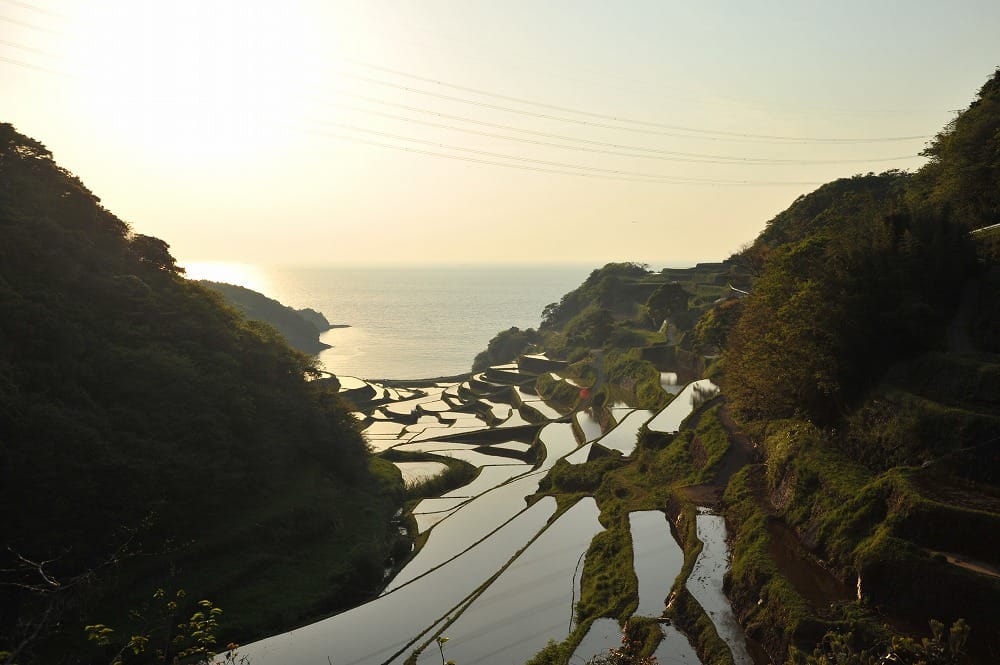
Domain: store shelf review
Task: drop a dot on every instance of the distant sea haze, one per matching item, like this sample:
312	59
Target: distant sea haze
413	322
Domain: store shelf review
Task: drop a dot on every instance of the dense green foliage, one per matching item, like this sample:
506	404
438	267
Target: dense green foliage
864	361
300	328
859	346
962	180
620	311
616	286
837	303
151	436
505	347
668	301
862	274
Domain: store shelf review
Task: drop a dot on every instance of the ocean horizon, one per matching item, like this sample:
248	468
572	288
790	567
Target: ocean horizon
408	322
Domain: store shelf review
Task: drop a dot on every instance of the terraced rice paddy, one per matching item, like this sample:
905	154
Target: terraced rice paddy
670	418
625	435
496	575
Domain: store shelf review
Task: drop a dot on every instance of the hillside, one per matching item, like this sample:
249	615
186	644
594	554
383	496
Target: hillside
299	327
154	438
866	364
857	344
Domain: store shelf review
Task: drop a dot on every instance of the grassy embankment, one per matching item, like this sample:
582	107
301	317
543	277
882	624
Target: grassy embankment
651	480
877	517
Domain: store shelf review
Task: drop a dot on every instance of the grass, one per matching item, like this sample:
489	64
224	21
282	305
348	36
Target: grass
457	474
633	380
880	526
609	586
712	442
560	394
771	608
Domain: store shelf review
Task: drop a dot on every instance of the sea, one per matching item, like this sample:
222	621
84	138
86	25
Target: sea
407	322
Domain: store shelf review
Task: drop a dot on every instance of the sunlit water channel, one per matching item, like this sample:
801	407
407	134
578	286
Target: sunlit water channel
477	530
625	435
385	629
705	584
530	603
670	418
656	558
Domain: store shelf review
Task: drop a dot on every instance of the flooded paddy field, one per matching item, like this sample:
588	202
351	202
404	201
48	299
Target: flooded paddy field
495	573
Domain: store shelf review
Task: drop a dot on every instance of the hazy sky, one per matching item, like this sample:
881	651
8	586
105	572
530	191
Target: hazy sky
480	131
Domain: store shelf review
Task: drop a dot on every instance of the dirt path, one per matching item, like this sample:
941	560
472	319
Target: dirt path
741	453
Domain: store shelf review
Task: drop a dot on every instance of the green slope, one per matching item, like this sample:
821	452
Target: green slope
300	328
152	437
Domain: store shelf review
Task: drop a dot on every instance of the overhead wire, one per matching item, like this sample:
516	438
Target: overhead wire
26	24
626	120
23	47
547	166
522	167
666	155
31	7
28	65
590	123
534	65
599	147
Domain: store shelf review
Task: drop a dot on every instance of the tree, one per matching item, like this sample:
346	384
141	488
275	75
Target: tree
128	392
667	302
782	353
962	179
505	347
591	328
154	252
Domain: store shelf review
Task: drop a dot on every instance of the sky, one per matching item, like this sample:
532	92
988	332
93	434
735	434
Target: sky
472	131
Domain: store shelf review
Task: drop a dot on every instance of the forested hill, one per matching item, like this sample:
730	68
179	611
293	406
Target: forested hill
857	344
871	270
865	363
151	437
300	328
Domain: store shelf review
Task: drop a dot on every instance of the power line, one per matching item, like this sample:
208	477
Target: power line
468	159
525	140
665	155
591	169
30	26
591	172
534	65
34	8
644	123
28	65
22	47
577	121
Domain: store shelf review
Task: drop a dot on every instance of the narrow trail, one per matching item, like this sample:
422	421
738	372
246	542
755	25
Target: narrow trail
817	585
741	453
